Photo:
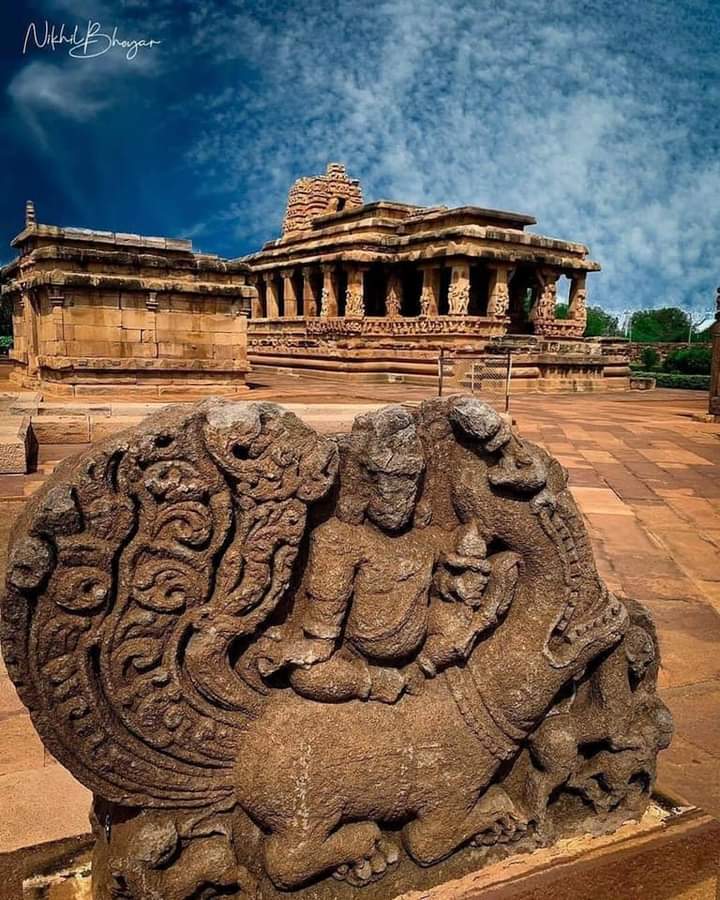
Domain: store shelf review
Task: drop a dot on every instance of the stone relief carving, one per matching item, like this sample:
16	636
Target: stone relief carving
354	302
459	298
393	297
325	667
499	301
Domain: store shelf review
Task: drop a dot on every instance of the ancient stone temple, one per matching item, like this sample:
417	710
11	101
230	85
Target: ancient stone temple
375	290
326	668
96	312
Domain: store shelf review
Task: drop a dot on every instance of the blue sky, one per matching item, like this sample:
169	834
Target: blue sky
601	119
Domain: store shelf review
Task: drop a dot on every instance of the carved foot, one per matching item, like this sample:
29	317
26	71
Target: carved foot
371	867
506	829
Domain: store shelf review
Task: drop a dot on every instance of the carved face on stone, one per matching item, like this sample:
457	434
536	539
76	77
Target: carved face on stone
393	465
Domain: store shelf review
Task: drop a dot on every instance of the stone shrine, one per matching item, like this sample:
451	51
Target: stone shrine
96	312
374	291
314	667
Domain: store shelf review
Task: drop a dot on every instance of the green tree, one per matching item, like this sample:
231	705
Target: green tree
669	324
689	360
5	317
600	323
650	358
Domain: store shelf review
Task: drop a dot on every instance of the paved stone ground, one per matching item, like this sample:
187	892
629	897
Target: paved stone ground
647	478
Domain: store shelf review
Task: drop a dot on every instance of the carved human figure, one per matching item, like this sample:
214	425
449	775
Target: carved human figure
433	597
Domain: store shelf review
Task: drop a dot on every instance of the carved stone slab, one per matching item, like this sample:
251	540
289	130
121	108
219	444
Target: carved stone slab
289	664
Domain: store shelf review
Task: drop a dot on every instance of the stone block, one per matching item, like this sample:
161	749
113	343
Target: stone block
61	429
16	446
93	315
137	318
175	350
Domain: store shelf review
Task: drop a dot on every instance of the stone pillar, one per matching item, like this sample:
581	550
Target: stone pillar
543	312
430	294
256	303
355	292
31	333
714	406
577	302
328	298
459	293
498	292
289	294
57	303
393	297
272	297
310	298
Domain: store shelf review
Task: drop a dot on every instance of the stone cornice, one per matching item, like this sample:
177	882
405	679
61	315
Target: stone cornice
126	258
80	280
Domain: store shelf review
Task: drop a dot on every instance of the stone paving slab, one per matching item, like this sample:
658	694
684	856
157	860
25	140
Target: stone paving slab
645	475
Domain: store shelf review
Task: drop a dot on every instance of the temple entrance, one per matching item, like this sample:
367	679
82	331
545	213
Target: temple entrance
443	301
479	288
411	279
374	290
523	289
341	282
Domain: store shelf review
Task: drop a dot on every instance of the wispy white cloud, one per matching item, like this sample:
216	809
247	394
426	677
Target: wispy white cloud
598	125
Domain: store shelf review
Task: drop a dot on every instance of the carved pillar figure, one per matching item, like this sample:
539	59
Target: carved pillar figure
459	293
272	297
310	298
354	293
430	295
289	294
393	297
328	299
577	306
543	312
498	293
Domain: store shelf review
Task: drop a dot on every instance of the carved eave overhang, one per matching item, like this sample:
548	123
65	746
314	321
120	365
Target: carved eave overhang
513	247
193	264
38	234
81	280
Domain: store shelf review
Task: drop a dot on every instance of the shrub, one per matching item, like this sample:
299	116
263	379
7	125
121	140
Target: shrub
6	343
650	357
689	361
677	380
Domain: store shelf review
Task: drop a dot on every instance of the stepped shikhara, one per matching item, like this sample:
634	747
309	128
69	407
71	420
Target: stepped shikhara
315	667
368	291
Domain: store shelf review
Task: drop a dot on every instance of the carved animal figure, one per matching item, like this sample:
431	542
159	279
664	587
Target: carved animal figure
240	627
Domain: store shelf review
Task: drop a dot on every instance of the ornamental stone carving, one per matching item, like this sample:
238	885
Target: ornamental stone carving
393	297
298	666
